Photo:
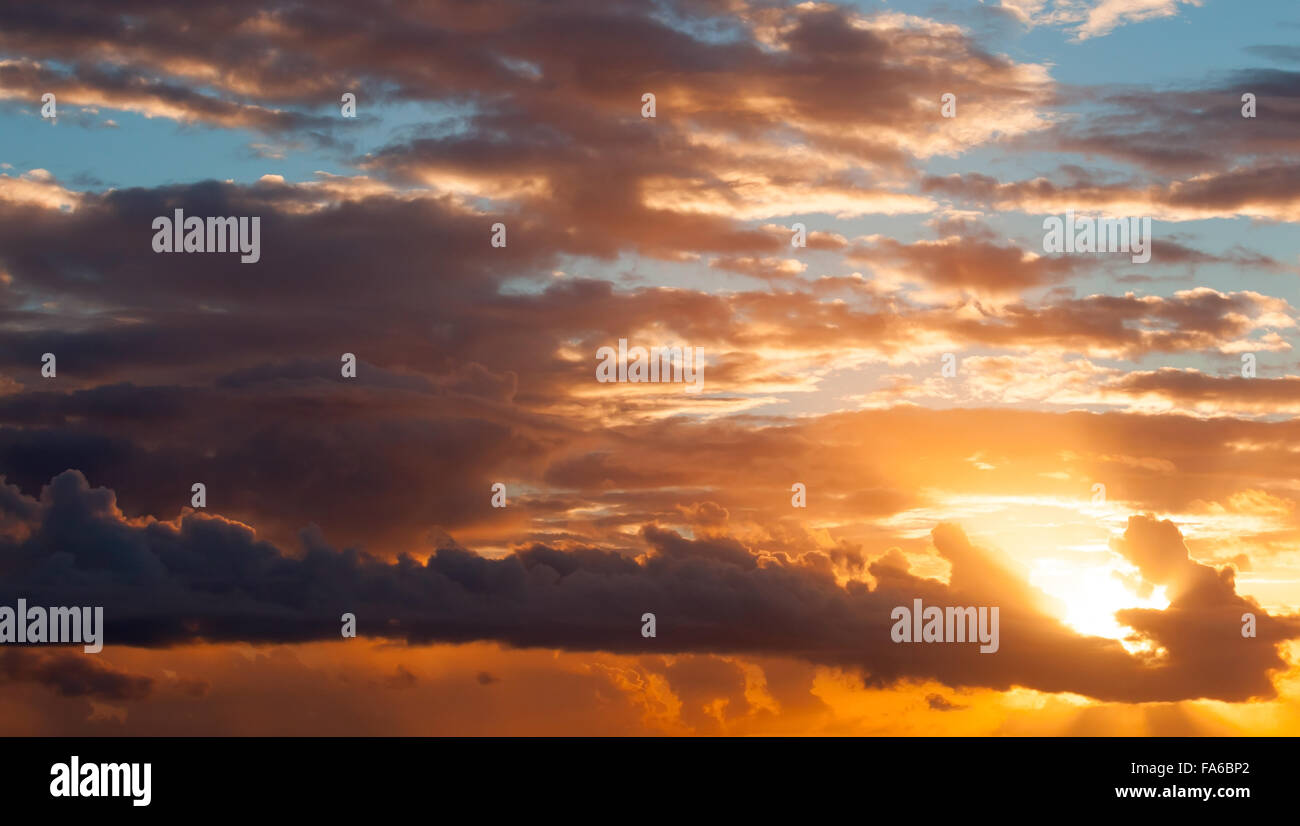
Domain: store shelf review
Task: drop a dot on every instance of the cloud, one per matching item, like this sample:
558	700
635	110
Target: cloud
475	362
206	578
121	89
1191	388
1092	18
72	675
967	262
939	703
1263	191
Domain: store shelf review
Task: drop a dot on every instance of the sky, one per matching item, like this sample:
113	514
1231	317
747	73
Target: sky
923	401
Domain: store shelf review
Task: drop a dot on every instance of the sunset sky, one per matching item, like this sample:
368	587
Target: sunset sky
1121	606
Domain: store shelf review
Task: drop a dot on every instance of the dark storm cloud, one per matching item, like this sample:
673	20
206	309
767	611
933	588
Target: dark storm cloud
206	578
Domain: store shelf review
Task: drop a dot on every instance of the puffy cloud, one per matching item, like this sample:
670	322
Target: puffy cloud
1092	18
205	578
